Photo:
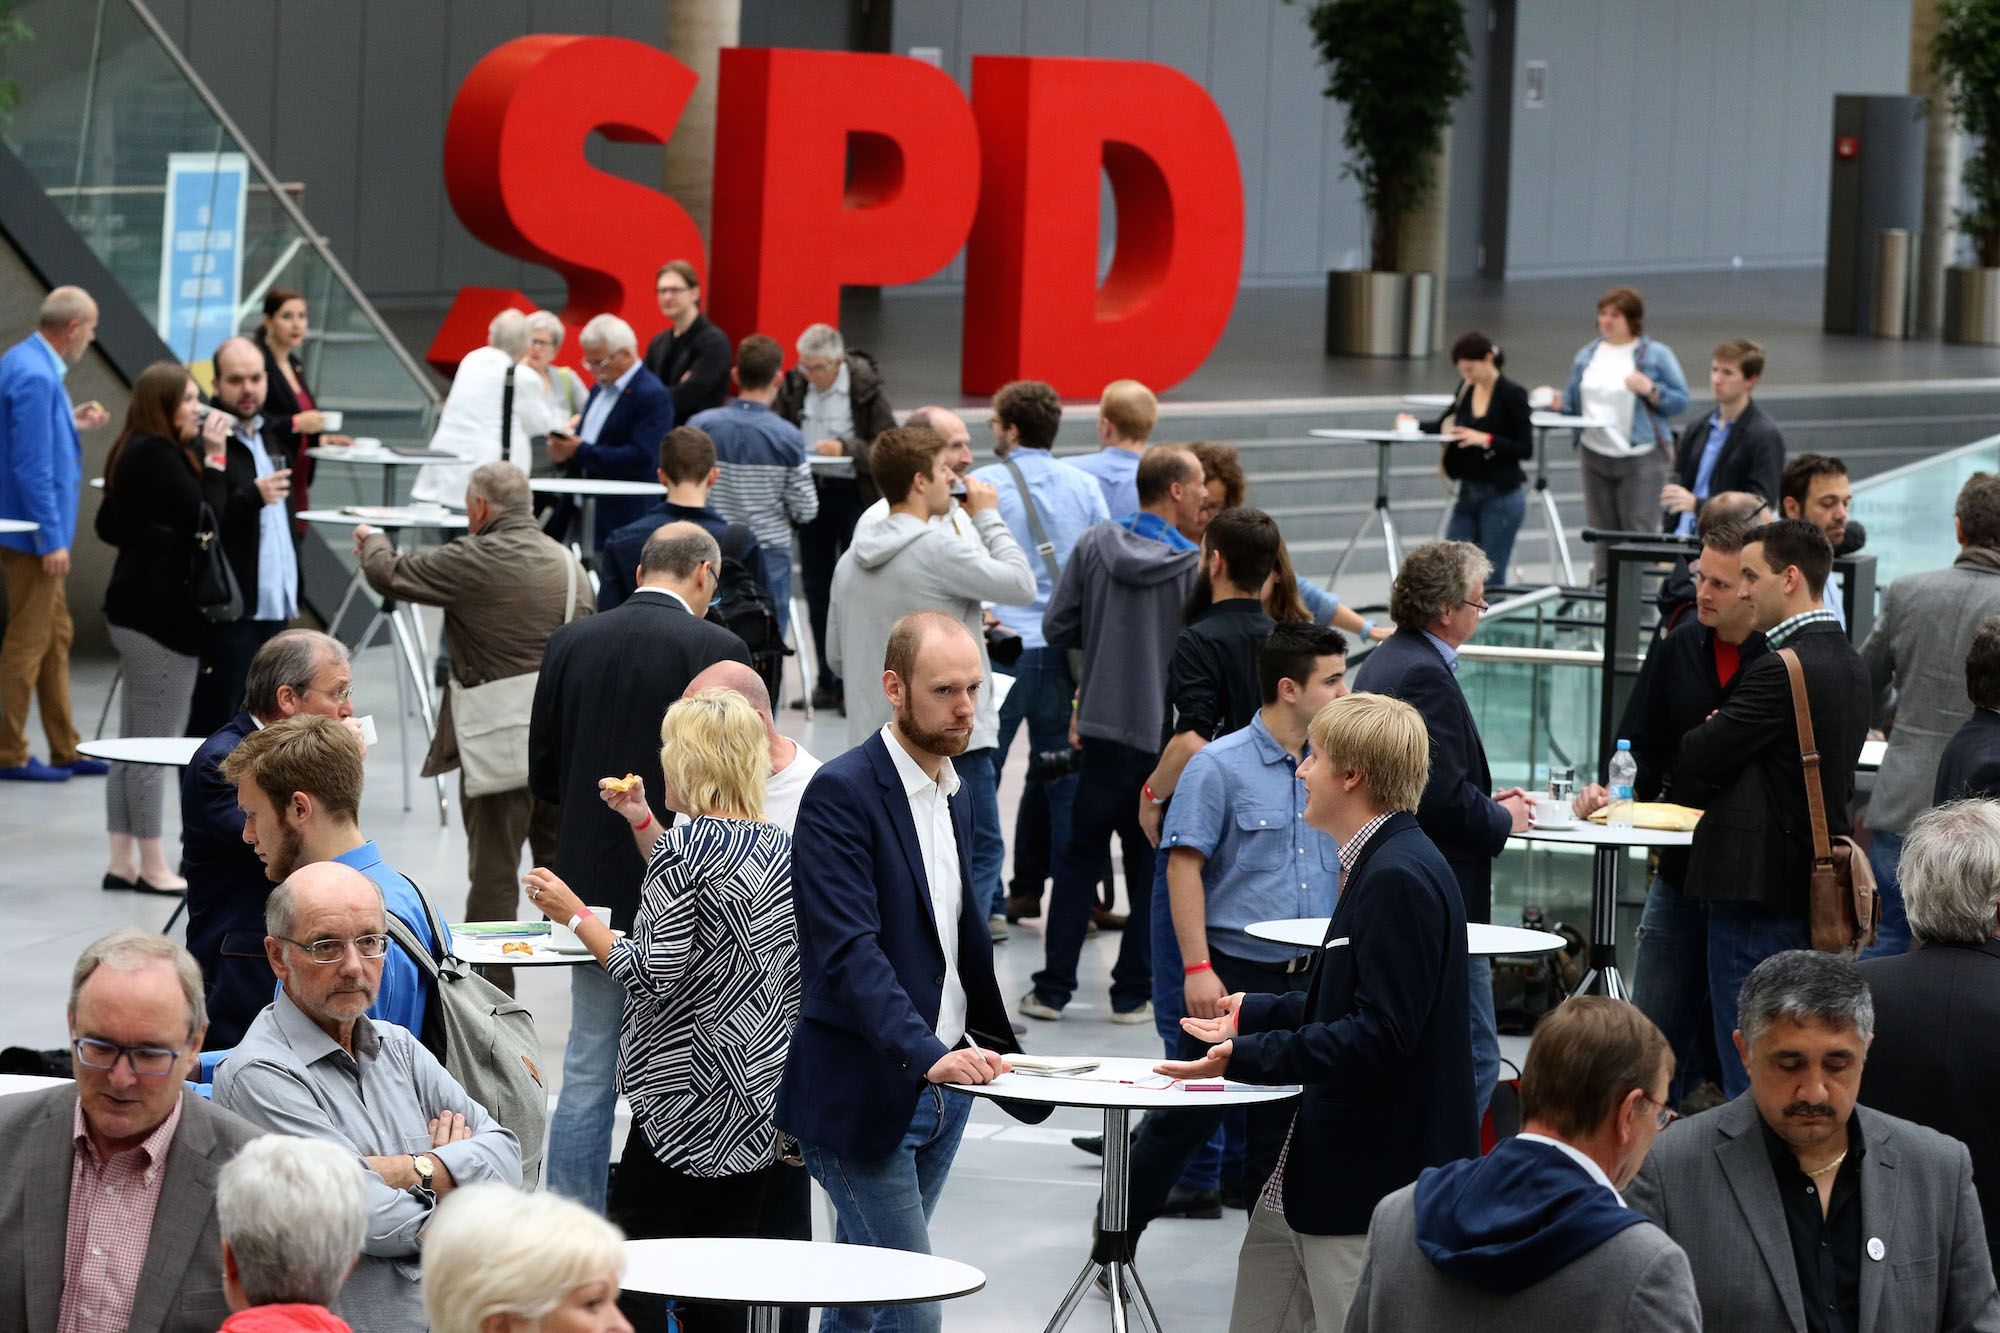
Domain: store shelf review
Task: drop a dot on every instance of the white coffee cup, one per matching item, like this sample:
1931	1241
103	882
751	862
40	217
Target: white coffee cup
563	940
332	420
367	730
1543	399
1551	813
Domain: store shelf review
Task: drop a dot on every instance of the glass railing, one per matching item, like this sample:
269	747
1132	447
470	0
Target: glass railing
119	130
1907	510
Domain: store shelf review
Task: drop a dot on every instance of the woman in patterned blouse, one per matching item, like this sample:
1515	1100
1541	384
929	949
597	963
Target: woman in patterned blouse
712	980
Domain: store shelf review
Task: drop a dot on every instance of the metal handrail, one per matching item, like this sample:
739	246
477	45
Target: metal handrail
418	376
1896	473
1552	592
1489	652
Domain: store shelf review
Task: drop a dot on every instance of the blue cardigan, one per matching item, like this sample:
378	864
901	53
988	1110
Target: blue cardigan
41	460
1653	359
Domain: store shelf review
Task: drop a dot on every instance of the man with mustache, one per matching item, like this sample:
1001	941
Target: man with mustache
1797	1210
314	1065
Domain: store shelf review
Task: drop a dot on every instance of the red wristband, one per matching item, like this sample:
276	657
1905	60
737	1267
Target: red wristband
1203	966
641	826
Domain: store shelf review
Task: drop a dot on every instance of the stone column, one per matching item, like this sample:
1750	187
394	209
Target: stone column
696	32
1941	169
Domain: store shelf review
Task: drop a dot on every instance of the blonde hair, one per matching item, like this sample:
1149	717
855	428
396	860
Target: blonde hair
494	1250
1130	408
715	754
1381	738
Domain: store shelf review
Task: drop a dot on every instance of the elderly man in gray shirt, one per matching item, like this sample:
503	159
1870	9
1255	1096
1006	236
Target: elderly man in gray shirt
313	1065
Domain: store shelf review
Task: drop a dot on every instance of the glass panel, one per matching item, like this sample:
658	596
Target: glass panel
103	106
1905	510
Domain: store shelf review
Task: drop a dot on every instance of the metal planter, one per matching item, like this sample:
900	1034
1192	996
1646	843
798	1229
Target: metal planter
1380	314
1972	305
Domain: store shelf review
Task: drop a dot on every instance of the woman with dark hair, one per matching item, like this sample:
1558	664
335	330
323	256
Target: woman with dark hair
287	400
165	465
1488	425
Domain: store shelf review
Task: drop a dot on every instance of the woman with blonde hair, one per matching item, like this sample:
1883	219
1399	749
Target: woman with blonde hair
497	1260
711	974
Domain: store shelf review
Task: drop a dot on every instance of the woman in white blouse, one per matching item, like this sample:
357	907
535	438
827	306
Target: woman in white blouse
469	424
563	392
711	974
1634	384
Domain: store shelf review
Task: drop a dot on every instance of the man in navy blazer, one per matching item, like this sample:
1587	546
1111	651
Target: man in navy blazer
896	966
626	416
1436	602
1381	1040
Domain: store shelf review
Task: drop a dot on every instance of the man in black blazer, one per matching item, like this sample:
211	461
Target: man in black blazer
1436	602
1737	447
606	682
690	356
1937	1007
898	996
1970	765
626	416
1381	1041
1751	860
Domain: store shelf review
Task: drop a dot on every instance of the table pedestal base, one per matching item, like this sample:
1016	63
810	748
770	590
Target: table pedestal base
1111	1249
1392	549
1603	976
765	1318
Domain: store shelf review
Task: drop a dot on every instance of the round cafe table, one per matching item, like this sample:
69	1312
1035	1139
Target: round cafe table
1116	1087
1610	847
13	1083
771	1276
1385	442
587	489
18	525
367	451
486	950
1309	932
160	751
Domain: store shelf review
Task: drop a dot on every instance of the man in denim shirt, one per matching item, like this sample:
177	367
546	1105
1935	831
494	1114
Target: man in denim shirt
1239	851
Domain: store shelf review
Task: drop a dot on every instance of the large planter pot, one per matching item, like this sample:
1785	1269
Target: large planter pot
1380	314
1972	305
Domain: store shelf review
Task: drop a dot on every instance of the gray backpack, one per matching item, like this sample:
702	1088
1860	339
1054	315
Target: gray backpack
484	1038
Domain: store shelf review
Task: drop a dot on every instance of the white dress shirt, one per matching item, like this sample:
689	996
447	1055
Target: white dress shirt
827	414
930	810
1581	1159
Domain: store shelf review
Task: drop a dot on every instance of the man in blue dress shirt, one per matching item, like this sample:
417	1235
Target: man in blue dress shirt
299	784
1125	417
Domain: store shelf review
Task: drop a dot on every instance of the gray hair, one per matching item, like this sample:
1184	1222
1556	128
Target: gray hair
543	321
1435	577
502	485
1804	986
64	306
294	1212
494	1250
1950	872
281	908
135	950
610	333
292	658
822	340
675	549
509	333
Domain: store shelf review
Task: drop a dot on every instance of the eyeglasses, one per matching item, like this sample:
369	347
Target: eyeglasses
339	696
1665	1116
1482	607
675	291
146	1061
332	951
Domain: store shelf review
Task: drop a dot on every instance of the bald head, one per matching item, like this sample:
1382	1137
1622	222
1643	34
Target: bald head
737	678
313	887
957	438
239	377
68	322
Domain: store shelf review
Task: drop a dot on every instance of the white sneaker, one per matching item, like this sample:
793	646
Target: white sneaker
996	927
1031	1005
1133	1017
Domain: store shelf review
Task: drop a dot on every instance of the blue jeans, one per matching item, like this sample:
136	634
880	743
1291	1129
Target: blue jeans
579	1156
1492	518
981	781
1671	983
1106	802
889	1202
1885	857
777	563
1041	698
1485	1032
1740	936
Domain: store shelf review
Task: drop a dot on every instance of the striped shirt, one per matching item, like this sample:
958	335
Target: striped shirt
111	1206
766	483
712	969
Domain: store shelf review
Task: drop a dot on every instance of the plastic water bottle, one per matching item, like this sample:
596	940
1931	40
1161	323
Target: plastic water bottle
1624	772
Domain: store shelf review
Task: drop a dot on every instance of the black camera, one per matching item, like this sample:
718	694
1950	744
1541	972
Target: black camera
1048	765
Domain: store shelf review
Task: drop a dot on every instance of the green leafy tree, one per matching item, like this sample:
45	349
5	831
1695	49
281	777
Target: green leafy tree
1397	66
12	32
1965	55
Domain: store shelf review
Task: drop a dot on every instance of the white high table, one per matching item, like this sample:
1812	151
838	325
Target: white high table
18	525
770	1276
158	751
1100	1090
365	451
13	1083
587	490
485	950
406	626
1611	846
1309	932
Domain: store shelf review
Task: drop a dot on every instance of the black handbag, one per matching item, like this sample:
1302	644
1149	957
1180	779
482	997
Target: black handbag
211	579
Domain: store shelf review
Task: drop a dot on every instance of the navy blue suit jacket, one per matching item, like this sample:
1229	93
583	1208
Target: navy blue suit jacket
618	572
1382	1040
226	890
1458	812
871	970
627	447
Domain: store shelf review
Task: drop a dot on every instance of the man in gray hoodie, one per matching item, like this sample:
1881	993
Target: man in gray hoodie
902	562
1120	600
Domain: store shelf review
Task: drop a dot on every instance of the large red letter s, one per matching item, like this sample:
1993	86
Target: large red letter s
1033	306
518	178
832	167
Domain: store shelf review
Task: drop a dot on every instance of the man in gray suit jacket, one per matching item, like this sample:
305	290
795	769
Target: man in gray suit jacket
136	1246
1799	1212
1916	663
1534	1235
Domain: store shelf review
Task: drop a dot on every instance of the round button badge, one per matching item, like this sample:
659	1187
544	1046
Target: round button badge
1875	1248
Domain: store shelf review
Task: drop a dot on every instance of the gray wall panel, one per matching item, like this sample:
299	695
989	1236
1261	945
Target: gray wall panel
317	121
403	105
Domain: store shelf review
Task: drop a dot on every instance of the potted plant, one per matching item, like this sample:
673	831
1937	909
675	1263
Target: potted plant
1397	66
1965	55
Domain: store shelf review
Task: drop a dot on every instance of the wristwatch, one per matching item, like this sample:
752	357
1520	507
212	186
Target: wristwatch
425	1169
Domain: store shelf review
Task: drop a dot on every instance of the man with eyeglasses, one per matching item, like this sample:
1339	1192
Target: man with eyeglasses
300	671
298	783
1436	602
691	355
107	1185
315	1065
624	419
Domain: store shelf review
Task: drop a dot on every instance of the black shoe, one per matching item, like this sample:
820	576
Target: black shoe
1184	1202
1232	1193
830	699
1021	908
1107	920
112	881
